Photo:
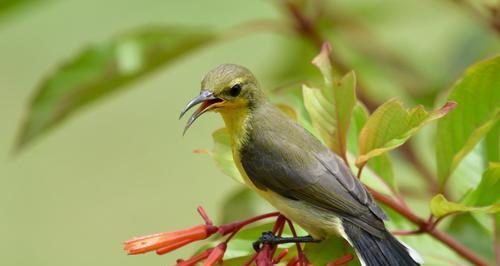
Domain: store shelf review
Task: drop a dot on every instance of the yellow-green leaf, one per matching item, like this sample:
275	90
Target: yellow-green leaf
223	155
492	144
477	94
331	106
391	125
380	165
441	207
8	7
488	190
103	69
360	115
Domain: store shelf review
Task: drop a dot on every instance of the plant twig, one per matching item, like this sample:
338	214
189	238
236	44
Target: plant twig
305	27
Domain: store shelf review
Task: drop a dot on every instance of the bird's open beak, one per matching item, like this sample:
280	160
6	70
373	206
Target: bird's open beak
207	100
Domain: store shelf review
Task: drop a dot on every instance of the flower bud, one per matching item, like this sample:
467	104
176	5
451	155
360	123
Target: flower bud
195	259
216	255
170	240
280	256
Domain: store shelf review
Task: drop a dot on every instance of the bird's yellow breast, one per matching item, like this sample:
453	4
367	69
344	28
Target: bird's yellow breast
237	121
237	125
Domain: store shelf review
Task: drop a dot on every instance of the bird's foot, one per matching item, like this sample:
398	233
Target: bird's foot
271	239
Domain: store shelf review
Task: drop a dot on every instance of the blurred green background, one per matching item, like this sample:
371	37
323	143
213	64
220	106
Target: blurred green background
122	168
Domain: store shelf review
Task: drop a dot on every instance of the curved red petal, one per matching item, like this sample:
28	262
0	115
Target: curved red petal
173	246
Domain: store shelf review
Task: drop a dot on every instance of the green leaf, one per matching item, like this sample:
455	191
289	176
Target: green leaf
441	207
223	155
380	165
329	250
468	174
473	235
488	190
103	69
359	117
8	6
331	107
477	94
243	203
391	125
492	144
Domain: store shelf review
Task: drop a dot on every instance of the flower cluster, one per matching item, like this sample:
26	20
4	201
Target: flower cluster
266	255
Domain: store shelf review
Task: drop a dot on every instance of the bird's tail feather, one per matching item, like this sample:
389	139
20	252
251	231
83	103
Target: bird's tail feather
376	251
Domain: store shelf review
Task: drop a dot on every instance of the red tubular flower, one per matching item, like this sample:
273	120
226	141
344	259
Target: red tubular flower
216	255
165	242
280	256
264	257
195	259
342	260
293	261
173	246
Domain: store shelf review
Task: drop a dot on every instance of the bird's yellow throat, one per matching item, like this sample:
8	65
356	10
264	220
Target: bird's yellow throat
236	119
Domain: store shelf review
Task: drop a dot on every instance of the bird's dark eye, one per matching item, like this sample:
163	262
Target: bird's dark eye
235	90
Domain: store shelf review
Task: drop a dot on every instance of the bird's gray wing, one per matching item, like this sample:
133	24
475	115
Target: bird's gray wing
308	171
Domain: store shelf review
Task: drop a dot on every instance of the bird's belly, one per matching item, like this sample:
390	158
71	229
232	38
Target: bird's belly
319	223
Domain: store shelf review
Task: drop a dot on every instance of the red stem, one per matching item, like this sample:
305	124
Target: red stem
279	225
236	226
302	257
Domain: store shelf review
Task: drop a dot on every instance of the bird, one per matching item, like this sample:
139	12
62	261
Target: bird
294	171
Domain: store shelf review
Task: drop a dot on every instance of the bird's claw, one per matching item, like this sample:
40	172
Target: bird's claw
271	239
266	238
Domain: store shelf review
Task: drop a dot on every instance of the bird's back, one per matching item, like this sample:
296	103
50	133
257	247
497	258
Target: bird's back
281	156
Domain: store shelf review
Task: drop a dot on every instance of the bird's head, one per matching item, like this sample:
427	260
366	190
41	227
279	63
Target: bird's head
224	89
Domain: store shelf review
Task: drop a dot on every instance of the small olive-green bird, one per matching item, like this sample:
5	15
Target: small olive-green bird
294	171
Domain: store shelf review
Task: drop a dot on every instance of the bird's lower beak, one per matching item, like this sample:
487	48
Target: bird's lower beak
207	100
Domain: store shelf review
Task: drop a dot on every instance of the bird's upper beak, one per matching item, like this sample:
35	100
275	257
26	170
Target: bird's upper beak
207	99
